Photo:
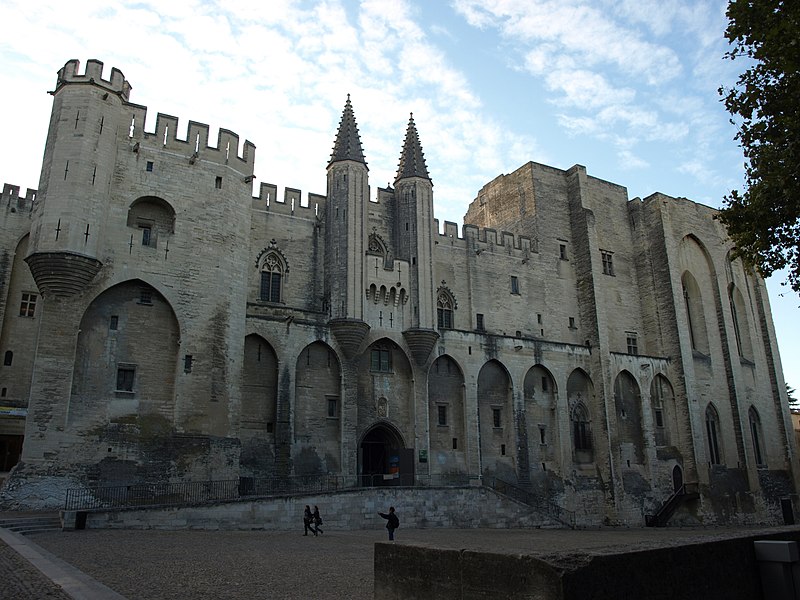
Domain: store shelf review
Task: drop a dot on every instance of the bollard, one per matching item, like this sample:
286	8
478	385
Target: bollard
779	566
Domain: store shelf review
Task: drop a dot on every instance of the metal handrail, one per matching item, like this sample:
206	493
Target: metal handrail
536	501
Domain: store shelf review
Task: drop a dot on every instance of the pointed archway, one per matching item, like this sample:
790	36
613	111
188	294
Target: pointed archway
383	458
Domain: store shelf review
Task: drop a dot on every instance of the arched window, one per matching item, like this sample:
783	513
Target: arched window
445	305
693	303
741	328
755	433
8	358
272	272
581	431
713	435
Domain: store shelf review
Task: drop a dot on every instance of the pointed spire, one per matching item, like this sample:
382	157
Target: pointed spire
347	145
412	159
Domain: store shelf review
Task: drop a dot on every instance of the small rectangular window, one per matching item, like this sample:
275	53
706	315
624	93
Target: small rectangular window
218	183
455	443
659	418
113	322
539	318
562	251
542	439
544	384
633	343
502	449
187	363
332	408
442	415
125	377
149	166
146	297
514	285
270	427
608	262
479	322
147	235
27	307
572	323
3	392
496	417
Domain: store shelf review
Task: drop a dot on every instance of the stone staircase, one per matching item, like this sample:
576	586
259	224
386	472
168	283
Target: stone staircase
30	523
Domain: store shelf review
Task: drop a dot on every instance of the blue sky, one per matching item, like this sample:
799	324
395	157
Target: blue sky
627	88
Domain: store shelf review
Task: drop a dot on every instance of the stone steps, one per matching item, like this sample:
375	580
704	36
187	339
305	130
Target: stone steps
31	524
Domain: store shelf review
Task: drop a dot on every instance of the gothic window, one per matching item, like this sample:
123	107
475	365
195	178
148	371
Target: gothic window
712	435
740	323
581	432
755	433
693	303
27	307
444	310
272	278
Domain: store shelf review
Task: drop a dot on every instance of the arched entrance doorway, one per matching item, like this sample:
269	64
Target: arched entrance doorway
383	458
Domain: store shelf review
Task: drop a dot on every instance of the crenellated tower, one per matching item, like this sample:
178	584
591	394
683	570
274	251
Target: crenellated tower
345	221
414	241
77	169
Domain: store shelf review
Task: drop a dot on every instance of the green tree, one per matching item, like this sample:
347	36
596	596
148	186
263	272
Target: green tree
793	402
764	221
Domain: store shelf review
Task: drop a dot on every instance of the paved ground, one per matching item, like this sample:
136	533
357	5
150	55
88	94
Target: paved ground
156	565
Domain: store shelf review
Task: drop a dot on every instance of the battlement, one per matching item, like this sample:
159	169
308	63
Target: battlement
195	146
291	203
13	201
483	239
94	74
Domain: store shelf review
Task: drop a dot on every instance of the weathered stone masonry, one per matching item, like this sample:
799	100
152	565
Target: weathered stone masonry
159	323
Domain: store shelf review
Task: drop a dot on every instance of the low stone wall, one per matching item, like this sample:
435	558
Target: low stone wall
467	507
720	569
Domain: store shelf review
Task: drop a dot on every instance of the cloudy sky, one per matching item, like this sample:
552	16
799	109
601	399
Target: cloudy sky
627	88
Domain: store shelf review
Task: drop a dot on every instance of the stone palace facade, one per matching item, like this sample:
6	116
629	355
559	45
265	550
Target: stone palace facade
160	323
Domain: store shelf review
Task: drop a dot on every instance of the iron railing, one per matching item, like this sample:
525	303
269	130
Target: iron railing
536	501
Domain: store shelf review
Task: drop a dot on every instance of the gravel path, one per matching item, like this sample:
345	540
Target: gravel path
156	565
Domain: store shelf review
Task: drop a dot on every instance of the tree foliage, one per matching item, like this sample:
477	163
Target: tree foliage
764	221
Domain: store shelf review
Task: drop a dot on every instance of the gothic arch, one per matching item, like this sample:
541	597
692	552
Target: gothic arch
317	410
539	391
580	393
756	437
446	306
716	455
662	404
495	415
126	356
741	324
447	416
627	404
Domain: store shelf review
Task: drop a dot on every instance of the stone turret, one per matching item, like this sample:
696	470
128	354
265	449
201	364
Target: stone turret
345	221
77	169
414	241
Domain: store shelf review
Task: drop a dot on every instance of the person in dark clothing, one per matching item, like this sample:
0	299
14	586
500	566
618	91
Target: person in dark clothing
317	520
308	519
392	522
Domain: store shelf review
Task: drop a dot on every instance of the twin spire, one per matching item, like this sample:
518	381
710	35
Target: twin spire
347	146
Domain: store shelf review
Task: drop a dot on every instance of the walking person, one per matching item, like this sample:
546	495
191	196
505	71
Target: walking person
308	519
317	520
392	522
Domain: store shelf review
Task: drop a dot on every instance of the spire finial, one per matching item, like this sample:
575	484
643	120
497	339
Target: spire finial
412	159
347	145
